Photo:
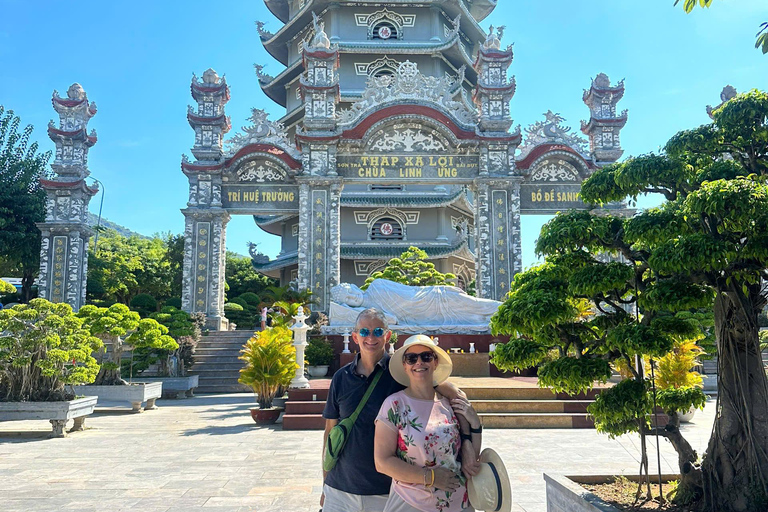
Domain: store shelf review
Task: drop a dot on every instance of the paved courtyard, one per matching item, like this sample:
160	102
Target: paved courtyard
206	454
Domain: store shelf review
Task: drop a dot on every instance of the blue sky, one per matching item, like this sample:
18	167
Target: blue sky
135	60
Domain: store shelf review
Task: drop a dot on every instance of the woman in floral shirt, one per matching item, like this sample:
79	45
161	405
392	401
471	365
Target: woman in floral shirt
417	434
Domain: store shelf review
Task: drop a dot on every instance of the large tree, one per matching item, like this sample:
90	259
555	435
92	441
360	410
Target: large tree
241	277
122	267
711	235
22	200
412	268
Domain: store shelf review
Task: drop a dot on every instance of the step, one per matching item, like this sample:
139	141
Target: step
220	346
308	395
217	365
215	381
531	406
221	388
509	394
304	407
218	351
213	359
208	372
303	422
536	420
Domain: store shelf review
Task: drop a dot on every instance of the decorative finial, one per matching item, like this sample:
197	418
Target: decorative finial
321	38
75	92
492	41
210	76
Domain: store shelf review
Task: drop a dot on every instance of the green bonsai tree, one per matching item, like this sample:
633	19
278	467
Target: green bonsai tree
413	269
706	242
319	352
43	348
270	363
120	327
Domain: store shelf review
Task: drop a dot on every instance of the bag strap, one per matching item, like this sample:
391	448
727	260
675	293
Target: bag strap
367	394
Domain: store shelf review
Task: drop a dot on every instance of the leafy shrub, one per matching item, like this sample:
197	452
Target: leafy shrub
250	298
173	302
319	352
144	304
44	347
232	306
270	363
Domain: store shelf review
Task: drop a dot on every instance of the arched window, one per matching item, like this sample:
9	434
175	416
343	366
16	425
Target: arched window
387	228
384	30
461	283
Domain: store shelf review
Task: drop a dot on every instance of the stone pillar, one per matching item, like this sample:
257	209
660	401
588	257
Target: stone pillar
497	235
65	231
205	219
205	264
604	125
319	238
497	205
319	185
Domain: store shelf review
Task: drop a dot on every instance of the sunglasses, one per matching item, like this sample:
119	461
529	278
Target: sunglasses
365	332
426	357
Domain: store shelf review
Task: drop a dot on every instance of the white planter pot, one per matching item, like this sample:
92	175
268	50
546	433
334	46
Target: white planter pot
136	393
58	413
176	387
687	416
317	371
564	494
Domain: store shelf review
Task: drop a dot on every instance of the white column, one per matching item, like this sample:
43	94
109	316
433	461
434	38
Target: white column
300	341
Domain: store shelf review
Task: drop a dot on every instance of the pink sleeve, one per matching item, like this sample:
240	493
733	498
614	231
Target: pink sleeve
384	415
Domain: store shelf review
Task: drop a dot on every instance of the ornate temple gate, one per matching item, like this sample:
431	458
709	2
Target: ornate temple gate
407	128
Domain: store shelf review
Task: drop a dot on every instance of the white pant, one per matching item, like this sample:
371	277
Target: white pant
340	501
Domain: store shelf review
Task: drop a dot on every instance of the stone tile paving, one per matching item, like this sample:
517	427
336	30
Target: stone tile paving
205	454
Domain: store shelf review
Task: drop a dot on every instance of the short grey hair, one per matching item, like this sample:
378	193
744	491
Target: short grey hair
374	314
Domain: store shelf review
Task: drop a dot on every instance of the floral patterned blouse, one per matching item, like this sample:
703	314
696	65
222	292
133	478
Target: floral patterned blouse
427	436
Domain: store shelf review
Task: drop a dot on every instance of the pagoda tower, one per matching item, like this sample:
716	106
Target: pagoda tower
369	40
65	231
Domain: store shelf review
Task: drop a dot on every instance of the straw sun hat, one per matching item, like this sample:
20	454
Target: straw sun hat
490	490
397	366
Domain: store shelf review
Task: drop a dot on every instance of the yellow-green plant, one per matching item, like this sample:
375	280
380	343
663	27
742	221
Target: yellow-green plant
675	370
270	362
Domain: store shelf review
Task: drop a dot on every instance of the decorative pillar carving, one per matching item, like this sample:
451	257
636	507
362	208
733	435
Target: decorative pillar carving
497	206
497	235
320	187
205	219
65	232
604	124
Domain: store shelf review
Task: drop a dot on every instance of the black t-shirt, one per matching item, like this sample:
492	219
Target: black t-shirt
355	471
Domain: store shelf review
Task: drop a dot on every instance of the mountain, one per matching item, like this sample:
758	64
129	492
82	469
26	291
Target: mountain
93	220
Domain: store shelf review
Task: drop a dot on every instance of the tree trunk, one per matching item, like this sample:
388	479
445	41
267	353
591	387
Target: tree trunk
690	488
735	467
109	374
27	280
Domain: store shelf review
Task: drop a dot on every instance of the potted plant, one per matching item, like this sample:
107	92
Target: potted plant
319	354
44	348
167	365
123	329
270	362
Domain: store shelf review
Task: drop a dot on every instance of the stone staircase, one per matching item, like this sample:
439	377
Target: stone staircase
217	363
500	402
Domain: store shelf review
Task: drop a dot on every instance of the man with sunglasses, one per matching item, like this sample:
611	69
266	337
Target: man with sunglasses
354	485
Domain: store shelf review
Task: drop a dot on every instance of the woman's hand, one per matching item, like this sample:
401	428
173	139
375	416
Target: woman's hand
445	479
462	406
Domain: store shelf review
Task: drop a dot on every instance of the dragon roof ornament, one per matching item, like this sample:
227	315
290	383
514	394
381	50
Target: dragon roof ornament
261	131
550	131
409	84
